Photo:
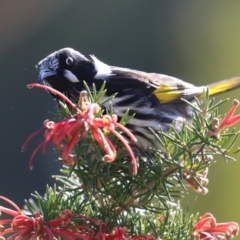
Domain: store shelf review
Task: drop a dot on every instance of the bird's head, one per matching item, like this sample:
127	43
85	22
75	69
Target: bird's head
65	70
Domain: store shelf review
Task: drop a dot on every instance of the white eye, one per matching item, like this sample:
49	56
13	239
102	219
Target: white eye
69	61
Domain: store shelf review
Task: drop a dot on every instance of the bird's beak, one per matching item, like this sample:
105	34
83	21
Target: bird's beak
45	74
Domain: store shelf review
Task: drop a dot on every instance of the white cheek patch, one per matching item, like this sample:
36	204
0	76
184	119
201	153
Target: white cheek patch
103	70
70	76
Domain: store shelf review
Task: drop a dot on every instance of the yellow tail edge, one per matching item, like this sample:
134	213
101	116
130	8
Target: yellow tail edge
224	86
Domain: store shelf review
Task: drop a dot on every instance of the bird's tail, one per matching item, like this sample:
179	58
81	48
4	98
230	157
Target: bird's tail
224	86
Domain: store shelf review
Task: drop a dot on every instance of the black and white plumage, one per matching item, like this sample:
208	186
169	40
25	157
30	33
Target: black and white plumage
155	99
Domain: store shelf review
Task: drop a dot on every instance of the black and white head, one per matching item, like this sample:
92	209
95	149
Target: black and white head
65	70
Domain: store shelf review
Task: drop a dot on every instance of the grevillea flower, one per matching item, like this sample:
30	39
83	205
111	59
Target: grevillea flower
63	226
34	227
196	180
228	121
66	133
120	233
207	229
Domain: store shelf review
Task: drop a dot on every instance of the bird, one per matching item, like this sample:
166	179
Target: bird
156	100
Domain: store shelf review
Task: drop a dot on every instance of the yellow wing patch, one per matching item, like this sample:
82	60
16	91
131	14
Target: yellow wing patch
166	93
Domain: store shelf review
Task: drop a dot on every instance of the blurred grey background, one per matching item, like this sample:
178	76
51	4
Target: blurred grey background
198	41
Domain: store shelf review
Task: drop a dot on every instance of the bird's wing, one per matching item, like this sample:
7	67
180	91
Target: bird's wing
166	88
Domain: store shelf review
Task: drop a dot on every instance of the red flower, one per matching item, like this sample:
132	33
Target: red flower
207	228
35	227
25	227
118	233
228	121
66	133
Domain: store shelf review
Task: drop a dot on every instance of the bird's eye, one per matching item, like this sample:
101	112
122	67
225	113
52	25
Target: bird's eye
69	61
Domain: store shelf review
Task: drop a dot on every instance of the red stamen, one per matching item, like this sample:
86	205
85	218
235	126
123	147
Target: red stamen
229	120
70	145
52	90
34	154
24	147
11	203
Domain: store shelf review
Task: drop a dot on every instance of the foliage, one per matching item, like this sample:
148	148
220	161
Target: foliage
129	204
